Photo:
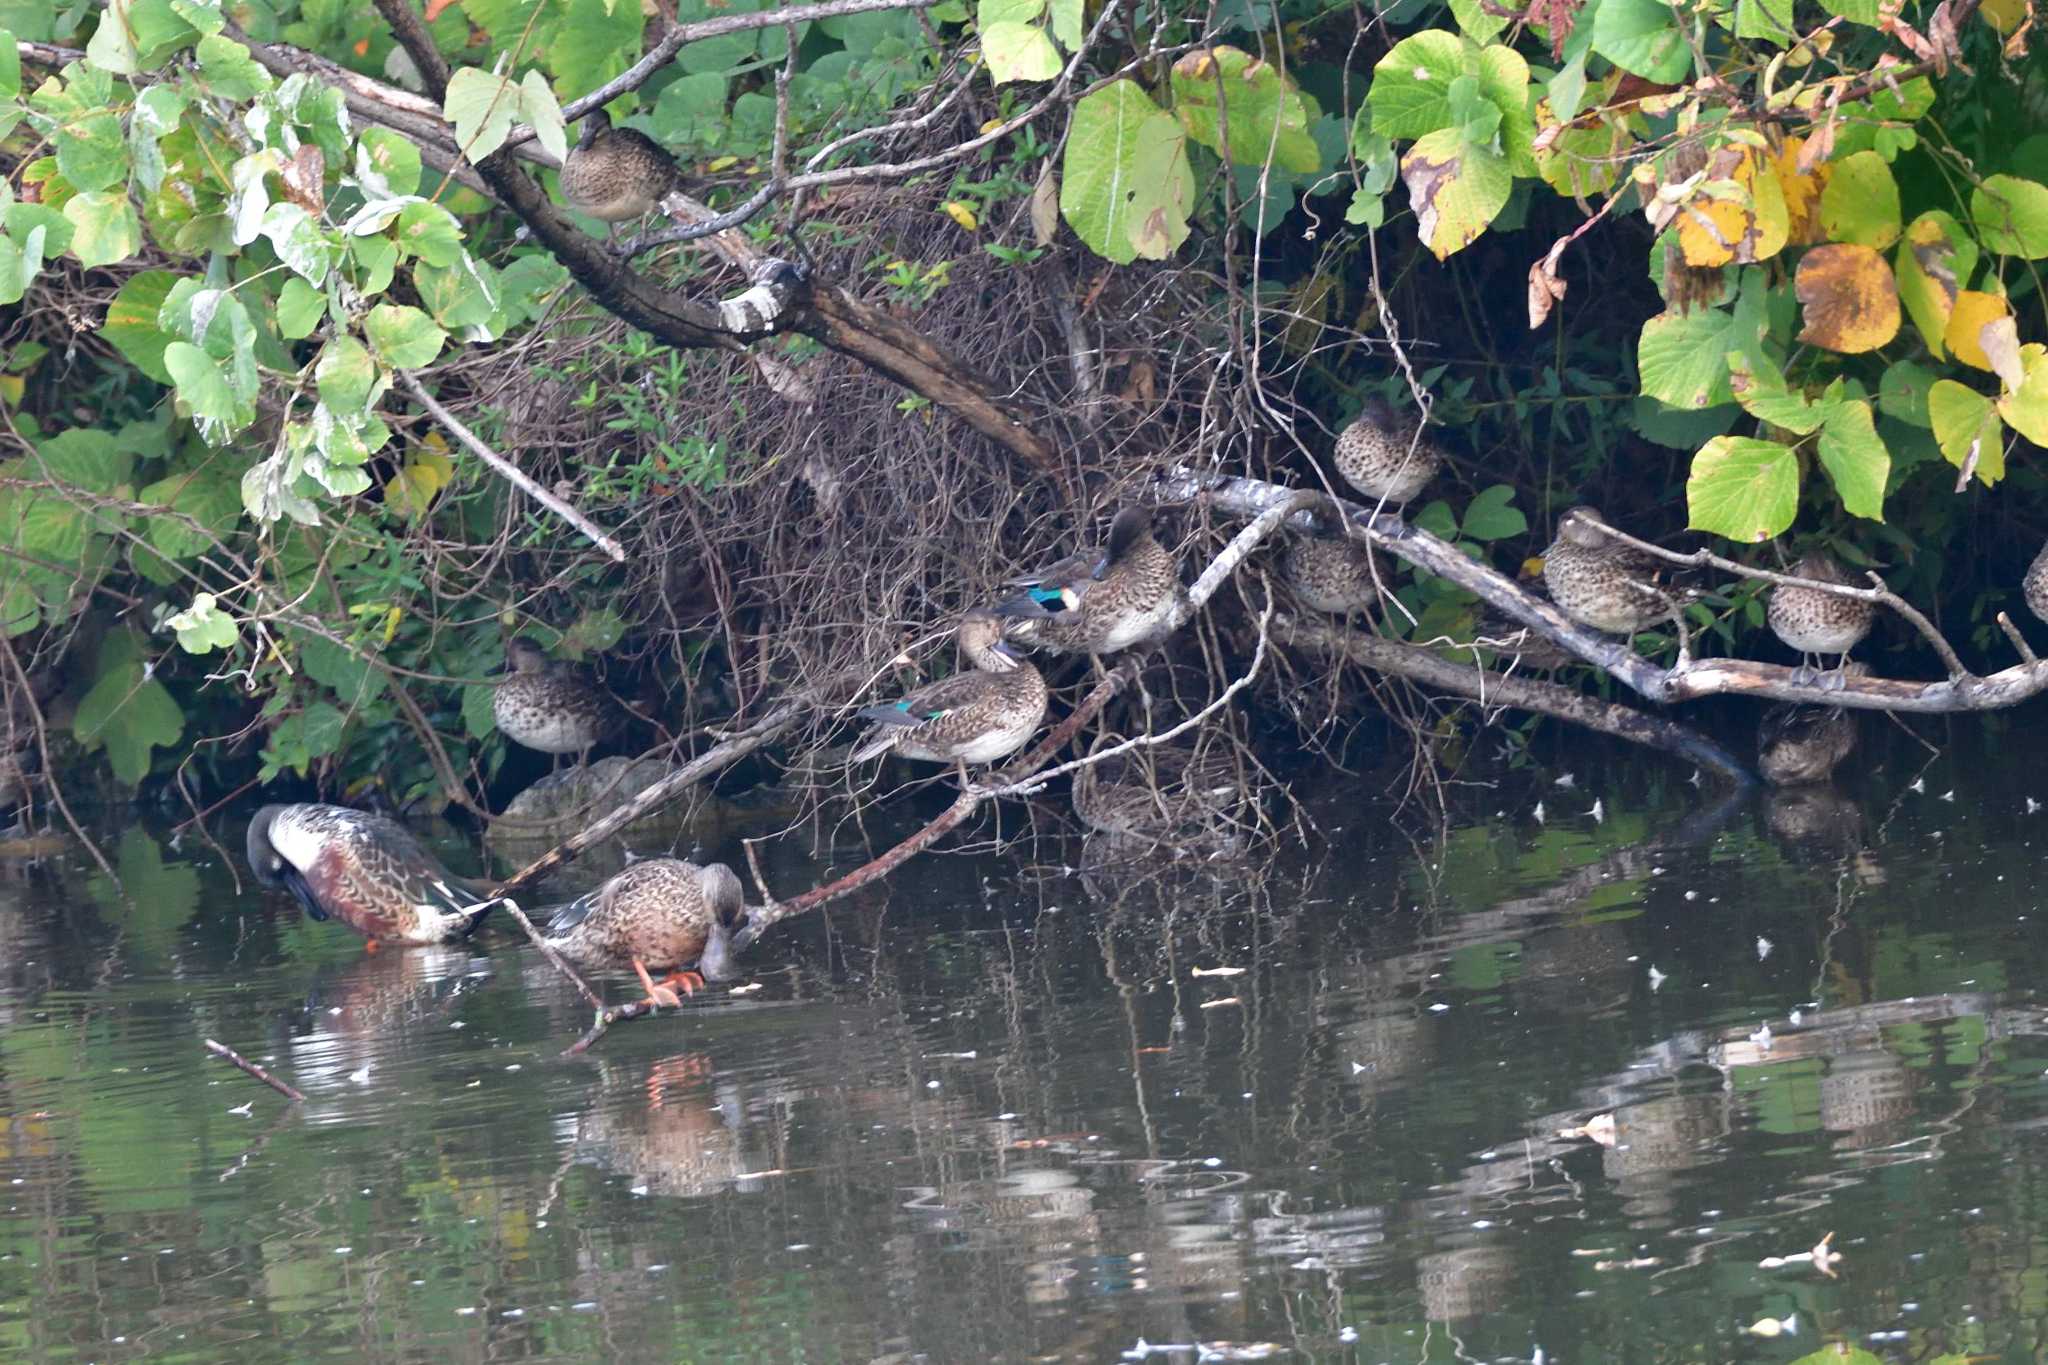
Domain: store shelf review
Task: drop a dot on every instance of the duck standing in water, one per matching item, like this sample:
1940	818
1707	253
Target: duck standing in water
1601	582
984	712
1099	603
365	871
1816	622
663	914
550	705
1381	455
616	174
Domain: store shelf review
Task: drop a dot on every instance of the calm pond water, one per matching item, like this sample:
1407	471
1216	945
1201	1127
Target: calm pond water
1579	1090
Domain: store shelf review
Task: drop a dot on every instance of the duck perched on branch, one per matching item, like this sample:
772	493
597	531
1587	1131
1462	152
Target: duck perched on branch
1816	622
1098	602
1329	570
1602	582
550	705
365	871
1382	455
986	711
616	174
663	914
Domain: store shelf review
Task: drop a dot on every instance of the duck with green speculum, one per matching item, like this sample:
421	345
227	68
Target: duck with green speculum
659	914
986	711
1099	602
550	705
365	871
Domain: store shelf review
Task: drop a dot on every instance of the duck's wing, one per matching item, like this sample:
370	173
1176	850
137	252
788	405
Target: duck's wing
1071	572
930	702
557	920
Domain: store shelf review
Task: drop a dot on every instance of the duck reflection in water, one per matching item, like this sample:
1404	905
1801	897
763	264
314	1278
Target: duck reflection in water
675	1131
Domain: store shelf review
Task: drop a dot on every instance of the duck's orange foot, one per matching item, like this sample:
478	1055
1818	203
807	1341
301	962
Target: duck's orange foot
657	996
691	982
371	946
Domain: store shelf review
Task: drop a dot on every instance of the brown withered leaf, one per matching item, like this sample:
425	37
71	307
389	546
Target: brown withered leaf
1850	299
305	177
1546	287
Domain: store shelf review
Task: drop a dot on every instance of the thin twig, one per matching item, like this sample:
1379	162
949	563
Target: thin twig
223	1050
510	472
2019	641
548	951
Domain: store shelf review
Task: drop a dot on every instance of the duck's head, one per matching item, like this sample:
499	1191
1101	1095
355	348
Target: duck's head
728	903
1580	527
264	859
1132	526
523	655
596	124
1820	566
982	644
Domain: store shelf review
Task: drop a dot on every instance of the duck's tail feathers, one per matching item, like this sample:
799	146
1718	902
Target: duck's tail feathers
876	744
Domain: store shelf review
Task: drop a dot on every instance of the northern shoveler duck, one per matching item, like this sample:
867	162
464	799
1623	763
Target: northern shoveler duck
1100	602
660	913
1601	582
365	871
616	174
1329	570
2035	584
550	705
1382	456
984	712
1815	622
1799	745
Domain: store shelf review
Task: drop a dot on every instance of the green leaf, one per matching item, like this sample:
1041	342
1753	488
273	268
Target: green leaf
539	107
482	107
1019	52
87	458
600	38
299	309
131	715
111	48
203	627
1743	488
405	338
10	66
91	152
1455	188
1410	91
131	322
1066	22
104	227
1683	357
230	71
1843	1354
1126	175
303	242
2011	216
1491	515
1566	89
201	387
479	718
1770	20
1855	457
1861	201
352	679
387	163
1934	261
345	374
1643	37
429	232
1267	115
210	496
1764	396
1965	421
1855	11
1902	393
2025	408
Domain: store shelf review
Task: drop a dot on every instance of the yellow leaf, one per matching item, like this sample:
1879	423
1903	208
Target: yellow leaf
2025	407
11	386
1801	193
1850	300
961	214
992	125
391	620
723	163
2003	15
1738	213
1973	308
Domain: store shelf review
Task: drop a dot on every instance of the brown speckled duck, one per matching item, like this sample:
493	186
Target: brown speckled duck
660	913
1815	622
365	871
1380	455
984	712
616	174
2035	584
1099	603
550	705
1601	582
1330	571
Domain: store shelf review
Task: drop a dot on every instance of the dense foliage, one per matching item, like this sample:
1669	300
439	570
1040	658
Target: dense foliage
222	518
